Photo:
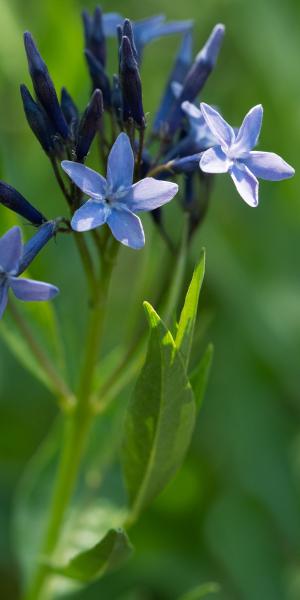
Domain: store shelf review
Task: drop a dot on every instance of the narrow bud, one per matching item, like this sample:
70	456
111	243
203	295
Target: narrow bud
36	243
197	75
38	121
131	86
87	26
69	108
97	44
89	125
99	78
116	98
43	86
128	32
187	164
13	200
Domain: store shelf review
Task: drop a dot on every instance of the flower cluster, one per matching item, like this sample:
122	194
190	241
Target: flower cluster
185	143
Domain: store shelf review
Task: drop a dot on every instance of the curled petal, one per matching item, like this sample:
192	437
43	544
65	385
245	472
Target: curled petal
245	183
214	160
249	131
268	165
126	228
29	290
90	182
10	250
150	193
90	215
3	297
120	163
218	126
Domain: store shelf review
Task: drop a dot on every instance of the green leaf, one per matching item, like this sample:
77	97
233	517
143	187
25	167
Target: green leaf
160	419
200	375
185	331
102	558
201	591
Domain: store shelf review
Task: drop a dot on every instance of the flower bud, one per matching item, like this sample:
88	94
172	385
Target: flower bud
187	164
13	200
36	243
69	109
116	98
43	86
131	86
89	125
197	75
99	78
97	44
128	32
38	121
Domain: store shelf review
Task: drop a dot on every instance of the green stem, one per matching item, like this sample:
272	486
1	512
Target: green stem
76	432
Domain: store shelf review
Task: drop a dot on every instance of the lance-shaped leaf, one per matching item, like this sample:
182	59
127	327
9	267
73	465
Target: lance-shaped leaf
102	558
200	375
159	421
185	331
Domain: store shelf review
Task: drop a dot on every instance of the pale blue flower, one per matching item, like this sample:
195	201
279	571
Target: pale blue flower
115	200
11	253
233	153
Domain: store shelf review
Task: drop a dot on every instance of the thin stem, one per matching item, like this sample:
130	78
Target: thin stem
86	261
60	181
57	382
139	158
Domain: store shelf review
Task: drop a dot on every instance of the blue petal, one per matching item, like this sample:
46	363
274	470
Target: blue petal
10	250
120	164
110	22
249	131
149	194
126	228
218	126
268	165
90	182
245	183
3	297
214	160
90	215
29	290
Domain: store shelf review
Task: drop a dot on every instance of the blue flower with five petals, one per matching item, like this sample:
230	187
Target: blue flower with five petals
234	154
11	253
115	200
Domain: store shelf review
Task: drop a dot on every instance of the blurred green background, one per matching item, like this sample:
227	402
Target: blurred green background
233	514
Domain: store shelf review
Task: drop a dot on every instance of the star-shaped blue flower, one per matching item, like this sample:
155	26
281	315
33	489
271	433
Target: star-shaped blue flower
115	200
234	154
11	251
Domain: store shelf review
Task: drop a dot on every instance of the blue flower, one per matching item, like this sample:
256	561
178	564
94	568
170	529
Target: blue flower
115	200
234	154
11	251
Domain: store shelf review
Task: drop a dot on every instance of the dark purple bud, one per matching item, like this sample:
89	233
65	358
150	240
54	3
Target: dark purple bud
13	200
197	75
116	98
38	121
43	86
89	125
131	86
99	78
128	32
97	44
69	109
36	243
87	26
